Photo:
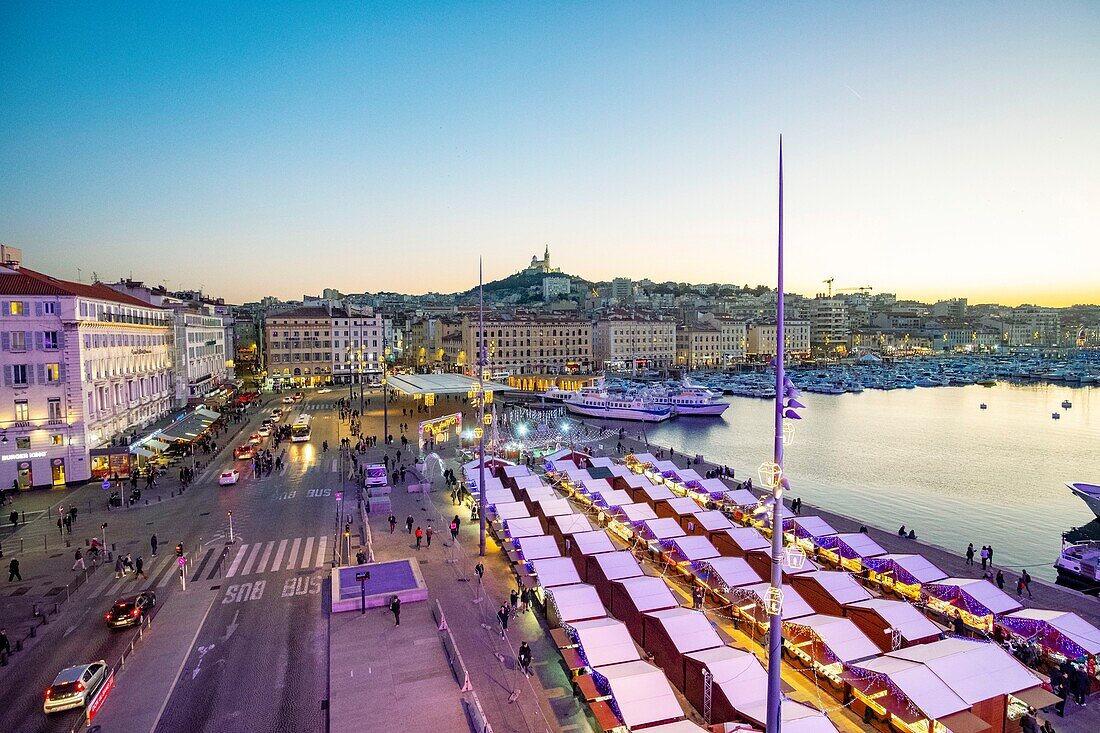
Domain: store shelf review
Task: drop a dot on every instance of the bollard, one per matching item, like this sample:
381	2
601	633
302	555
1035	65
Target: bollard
24	517
20	545
32	632
158	498
173	495
44	546
34	610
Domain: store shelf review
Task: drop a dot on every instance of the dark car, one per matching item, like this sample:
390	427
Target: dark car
130	611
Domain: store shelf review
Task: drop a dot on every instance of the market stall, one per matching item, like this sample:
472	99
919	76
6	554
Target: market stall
522	483
651	494
533	495
739	503
739	541
848	550
611	500
686	552
707	491
677	507
892	624
521	527
563	526
671	633
791	563
902	575
640	694
737	680
632	597
554	571
807	532
719	574
631	483
821	647
706	523
829	591
750	603
603	641
536	548
568	604
978	603
584	544
638	462
510	510
1060	635
795	717
603	569
498	496
658	530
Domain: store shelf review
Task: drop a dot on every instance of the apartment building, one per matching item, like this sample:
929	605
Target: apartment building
632	341
530	345
82	366
698	346
761	340
325	344
829	325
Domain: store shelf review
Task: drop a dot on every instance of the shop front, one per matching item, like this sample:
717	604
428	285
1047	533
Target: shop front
24	470
112	462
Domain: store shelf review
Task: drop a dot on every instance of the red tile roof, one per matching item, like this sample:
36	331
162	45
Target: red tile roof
29	282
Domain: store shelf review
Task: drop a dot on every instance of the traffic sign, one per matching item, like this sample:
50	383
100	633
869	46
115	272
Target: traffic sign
181	561
339	495
106	484
361	577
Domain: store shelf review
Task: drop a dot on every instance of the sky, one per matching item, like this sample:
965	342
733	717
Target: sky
932	149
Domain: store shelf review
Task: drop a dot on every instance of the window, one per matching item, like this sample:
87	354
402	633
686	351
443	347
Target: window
19	374
53	373
15	308
53	407
57	439
50	339
18	340
22	412
23	443
49	308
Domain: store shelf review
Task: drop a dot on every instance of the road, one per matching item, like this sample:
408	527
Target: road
259	661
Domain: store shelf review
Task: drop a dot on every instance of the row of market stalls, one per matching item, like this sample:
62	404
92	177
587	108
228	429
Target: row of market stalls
850	606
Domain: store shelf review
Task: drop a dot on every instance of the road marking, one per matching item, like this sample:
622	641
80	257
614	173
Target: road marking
113	591
293	553
164	579
306	553
199	569
236	562
183	663
264	558
278	555
321	552
251	559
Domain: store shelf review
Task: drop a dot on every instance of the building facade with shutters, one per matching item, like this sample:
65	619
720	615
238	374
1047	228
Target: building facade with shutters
83	367
529	345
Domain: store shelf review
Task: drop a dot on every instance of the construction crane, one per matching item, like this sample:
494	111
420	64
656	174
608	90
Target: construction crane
866	290
829	281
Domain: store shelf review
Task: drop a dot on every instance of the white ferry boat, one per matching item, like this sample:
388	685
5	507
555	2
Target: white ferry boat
1088	493
691	400
594	402
555	394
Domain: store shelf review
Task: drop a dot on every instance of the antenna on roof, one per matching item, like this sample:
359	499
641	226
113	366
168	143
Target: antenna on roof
79	277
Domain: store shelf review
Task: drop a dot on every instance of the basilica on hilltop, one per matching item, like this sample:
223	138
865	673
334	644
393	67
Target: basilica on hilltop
542	265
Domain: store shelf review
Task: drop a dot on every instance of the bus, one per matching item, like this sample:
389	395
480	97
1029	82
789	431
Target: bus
300	428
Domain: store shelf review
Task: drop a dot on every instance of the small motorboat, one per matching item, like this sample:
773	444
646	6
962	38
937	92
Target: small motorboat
1055	416
983	406
1066	404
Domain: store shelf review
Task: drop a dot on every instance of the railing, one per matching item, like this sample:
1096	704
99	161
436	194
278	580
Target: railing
479	723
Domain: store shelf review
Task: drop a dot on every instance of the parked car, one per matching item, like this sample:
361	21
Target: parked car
255	439
230	477
244	452
264	431
288	400
73	685
130	611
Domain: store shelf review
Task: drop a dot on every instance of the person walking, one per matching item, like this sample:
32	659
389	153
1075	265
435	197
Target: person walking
454	531
970	554
1019	587
139	564
393	523
119	566
1025	578
479	571
409	524
502	617
525	599
5	646
984	556
153	542
395	609
1000	580
14	519
990	548
524	657
513	598
428	534
419	536
13	570
79	562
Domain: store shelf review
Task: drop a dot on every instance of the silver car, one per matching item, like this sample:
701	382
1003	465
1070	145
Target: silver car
73	685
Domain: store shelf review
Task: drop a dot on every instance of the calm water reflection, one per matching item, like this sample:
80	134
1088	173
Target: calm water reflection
929	459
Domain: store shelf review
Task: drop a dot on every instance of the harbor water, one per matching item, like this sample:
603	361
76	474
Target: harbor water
928	458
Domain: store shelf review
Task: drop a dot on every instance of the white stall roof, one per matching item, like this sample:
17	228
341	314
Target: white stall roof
512	510
642	693
842	637
663	529
665	467
840	585
984	592
918	566
529	482
728	571
619	565
645	458
748	538
472	466
602	461
491	482
861	544
649	593
693	547
814	526
683	505
794	606
713	486
540	493
739	674
620	470
713	520
636	481
615	498
593	543
595	485
903	617
499	496
1070	625
568	524
578	602
577	475
808	566
657	493
680	726
740	497
932	695
554	571
796	717
687	475
763	513
974	670
537	548
563	453
517	471
688	629
637	512
605	641
553	507
523	527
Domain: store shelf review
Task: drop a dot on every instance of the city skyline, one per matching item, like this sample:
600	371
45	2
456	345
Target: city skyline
931	155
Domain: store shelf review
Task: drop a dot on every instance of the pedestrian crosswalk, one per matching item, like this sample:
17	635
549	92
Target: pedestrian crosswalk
158	572
323	465
298	553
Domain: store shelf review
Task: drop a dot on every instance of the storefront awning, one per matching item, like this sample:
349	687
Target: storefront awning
964	721
1037	697
191	426
142	452
155	445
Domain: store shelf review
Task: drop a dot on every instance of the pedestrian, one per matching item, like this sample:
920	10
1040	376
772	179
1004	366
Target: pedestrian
454	531
1027	721
129	563
990	548
13	570
14	519
119	566
72	516
395	608
1000	580
79	562
524	657
502	617
513	598
59	526
1026	579
409	524
525	599
393	523
479	571
984	556
1079	683
428	534
139	564
419	536
153	544
5	646
970	554
1020	587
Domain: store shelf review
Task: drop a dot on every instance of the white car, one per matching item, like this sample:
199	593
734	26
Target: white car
375	475
73	685
230	477
264	431
324	390
276	413
288	400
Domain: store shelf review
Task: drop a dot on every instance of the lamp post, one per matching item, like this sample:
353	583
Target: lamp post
385	388
351	392
481	407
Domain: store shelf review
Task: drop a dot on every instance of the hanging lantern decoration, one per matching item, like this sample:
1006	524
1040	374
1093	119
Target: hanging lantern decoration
773	601
895	639
796	557
788	432
488	419
429	400
770	474
488	397
478	432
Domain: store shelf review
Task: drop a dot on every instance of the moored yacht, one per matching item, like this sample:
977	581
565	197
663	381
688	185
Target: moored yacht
691	400
1088	493
594	402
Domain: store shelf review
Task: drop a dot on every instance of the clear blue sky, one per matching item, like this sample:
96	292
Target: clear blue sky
933	149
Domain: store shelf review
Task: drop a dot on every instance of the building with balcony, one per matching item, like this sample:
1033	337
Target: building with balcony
698	346
630	341
530	344
761	340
